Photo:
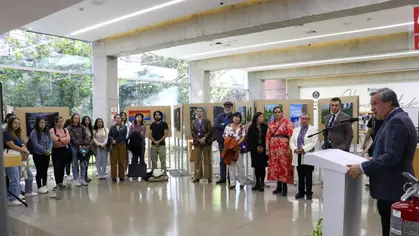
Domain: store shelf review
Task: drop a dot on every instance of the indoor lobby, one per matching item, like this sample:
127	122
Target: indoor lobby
110	59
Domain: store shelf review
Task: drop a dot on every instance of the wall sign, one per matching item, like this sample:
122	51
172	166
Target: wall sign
316	94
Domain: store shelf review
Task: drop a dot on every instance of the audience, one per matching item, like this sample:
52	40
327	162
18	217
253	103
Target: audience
60	152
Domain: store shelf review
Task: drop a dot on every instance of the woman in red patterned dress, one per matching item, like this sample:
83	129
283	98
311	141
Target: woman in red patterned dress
277	148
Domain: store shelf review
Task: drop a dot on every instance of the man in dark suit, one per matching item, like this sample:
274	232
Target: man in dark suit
201	133
341	136
394	149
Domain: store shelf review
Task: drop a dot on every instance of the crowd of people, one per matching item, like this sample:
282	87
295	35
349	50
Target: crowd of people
72	143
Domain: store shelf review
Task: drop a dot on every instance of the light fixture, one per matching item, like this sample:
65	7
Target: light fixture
331	61
298	39
124	17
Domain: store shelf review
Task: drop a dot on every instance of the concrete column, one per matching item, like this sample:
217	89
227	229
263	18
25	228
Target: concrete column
105	85
199	90
293	89
256	87
275	89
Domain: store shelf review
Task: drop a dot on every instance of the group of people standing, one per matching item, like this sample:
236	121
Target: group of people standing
72	142
276	145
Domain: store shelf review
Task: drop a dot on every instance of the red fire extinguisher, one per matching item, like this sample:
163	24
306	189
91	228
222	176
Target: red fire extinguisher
405	213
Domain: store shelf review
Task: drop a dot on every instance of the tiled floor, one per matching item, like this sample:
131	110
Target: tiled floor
177	207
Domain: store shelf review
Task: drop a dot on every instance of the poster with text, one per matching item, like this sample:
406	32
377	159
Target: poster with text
49	117
296	110
269	111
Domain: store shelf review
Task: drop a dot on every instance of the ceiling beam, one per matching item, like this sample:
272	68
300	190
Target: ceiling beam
247	19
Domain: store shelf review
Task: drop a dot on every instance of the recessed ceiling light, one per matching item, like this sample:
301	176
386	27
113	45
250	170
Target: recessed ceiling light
296	40
97	3
311	32
124	17
331	61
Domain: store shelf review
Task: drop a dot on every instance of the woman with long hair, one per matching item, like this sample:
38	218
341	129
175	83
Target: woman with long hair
100	139
87	123
68	177
117	137
80	144
256	143
41	150
278	150
60	151
137	134
236	131
15	145
125	121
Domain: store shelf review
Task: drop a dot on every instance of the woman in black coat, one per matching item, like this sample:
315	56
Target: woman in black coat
256	144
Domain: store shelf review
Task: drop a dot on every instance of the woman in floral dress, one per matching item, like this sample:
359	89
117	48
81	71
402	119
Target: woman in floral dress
277	148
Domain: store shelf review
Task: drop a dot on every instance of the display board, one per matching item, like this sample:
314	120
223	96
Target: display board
27	116
148	111
292	109
211	110
350	106
247	109
178	120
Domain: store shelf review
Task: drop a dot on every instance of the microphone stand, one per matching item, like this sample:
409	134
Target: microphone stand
327	142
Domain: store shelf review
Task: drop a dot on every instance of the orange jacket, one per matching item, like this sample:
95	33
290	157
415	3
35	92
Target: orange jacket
231	150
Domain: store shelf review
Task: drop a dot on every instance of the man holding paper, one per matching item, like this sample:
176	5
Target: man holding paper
394	149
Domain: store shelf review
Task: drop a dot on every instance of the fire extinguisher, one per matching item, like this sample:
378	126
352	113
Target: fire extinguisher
405	213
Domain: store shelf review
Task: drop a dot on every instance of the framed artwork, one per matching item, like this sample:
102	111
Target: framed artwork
31	117
269	111
217	111
242	111
177	119
296	110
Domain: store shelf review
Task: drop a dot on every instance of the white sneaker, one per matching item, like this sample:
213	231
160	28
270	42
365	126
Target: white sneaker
21	197
42	190
83	182
32	194
77	183
15	203
69	178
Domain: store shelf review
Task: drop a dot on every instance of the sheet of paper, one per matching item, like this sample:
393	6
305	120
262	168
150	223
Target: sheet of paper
339	157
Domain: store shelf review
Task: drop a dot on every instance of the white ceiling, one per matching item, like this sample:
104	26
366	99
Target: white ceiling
370	20
16	13
92	12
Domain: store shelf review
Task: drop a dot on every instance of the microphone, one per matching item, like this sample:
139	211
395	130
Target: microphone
350	120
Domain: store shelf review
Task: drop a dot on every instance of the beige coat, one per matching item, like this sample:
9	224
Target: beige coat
309	143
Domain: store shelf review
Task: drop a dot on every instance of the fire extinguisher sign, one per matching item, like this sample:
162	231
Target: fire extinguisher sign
400	226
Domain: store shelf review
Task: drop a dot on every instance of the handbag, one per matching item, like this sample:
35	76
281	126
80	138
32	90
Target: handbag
137	170
83	155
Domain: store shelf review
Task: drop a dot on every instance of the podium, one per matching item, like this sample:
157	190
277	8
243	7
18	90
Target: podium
342	195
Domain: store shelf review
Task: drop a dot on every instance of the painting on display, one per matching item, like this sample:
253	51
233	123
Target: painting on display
146	114
192	112
347	108
296	111
249	115
177	119
31	117
269	111
242	111
217	111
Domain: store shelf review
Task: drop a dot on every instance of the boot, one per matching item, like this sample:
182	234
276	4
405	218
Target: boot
278	188
262	187
284	189
256	187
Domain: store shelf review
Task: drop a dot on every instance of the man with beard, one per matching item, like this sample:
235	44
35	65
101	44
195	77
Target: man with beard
220	123
158	133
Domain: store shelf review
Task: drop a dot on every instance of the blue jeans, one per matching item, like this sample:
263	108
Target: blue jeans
14	186
83	164
101	161
29	181
222	164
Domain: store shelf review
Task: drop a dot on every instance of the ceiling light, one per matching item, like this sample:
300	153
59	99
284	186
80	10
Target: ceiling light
298	39
121	18
330	61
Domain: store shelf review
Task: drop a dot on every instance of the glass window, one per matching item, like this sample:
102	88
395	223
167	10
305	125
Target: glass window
28	49
229	85
42	89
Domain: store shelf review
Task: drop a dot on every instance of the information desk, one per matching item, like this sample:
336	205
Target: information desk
12	160
416	162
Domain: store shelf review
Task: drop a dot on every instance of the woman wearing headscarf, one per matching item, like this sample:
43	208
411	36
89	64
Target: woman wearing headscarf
278	150
256	143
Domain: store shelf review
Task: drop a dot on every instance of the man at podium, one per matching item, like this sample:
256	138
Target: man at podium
394	149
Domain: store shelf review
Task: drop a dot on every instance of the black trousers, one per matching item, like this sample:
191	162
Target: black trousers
260	173
305	178
138	155
69	161
59	161
384	209
41	164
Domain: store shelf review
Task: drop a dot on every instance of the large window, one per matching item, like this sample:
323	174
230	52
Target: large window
229	85
147	79
41	70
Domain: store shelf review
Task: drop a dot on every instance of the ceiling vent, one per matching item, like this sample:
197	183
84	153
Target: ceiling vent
97	2
311	32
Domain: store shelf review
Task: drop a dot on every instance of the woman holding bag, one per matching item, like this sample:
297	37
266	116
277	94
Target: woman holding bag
278	150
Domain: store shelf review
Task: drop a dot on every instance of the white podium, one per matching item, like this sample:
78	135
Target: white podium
342	195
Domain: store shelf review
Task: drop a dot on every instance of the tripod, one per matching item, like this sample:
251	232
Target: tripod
13	195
